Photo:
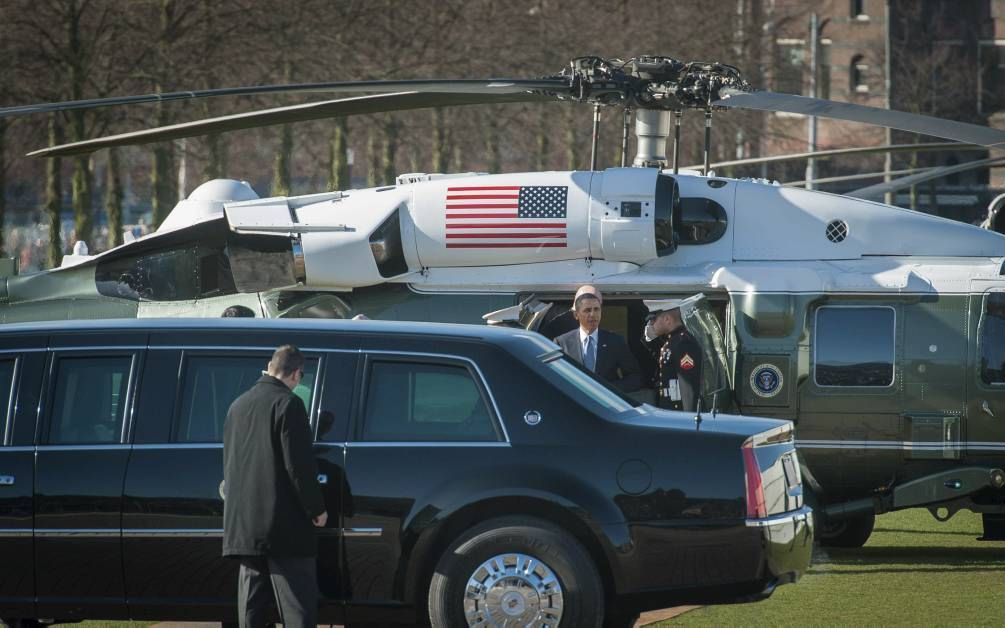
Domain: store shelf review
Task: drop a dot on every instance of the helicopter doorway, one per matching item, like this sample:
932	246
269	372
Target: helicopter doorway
985	409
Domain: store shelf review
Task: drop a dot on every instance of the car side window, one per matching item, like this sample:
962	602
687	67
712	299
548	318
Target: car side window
6	398
425	402
992	339
854	346
89	399
210	383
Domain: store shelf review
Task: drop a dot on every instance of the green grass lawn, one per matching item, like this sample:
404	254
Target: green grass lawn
913	571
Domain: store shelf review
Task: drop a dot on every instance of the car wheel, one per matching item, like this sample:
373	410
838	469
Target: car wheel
846	532
516	571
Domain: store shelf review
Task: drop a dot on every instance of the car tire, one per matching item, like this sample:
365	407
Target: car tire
516	568
847	532
20	623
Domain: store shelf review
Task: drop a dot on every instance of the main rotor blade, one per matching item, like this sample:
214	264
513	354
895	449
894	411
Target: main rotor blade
878	190
284	115
927	125
837	152
458	86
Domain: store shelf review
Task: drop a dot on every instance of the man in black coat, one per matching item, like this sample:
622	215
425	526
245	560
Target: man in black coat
273	499
603	352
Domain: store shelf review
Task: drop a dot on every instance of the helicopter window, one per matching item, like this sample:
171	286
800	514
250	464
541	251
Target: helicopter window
167	275
854	346
668	211
702	221
992	339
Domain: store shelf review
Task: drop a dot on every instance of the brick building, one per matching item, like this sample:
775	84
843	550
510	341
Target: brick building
936	57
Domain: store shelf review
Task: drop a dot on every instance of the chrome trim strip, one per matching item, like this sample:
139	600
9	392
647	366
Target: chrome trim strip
25	350
485	385
803	514
154	533
361	532
425	444
101	348
208	347
83	447
78	532
7	436
156	446
16	533
20	448
902	445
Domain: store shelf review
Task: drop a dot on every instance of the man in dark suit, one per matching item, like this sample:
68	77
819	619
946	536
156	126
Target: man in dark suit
273	499
603	352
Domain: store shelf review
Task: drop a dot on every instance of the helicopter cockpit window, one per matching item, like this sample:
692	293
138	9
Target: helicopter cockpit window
992	339
702	221
668	212
168	275
854	346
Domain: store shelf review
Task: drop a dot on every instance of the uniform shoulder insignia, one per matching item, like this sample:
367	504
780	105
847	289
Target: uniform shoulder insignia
687	362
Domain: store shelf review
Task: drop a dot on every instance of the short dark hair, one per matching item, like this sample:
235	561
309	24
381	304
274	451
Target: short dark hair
584	297
238	311
286	360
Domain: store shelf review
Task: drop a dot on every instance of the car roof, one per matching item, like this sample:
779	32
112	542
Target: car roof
491	334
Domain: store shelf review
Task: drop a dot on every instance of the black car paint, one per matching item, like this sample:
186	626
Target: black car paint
651	547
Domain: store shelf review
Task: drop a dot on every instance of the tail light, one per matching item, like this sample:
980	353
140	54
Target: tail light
755	490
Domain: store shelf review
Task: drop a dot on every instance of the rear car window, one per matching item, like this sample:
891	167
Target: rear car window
89	400
425	402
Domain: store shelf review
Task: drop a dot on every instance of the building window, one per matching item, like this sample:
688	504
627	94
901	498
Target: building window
858	10
824	70
90	400
854	346
789	61
857	75
422	402
992	339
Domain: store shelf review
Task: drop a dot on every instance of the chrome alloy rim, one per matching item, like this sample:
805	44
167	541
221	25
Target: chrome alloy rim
513	590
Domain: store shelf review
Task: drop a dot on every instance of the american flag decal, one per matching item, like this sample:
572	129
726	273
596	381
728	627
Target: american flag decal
506	216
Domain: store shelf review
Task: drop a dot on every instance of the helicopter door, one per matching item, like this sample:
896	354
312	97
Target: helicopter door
700	321
985	410
528	314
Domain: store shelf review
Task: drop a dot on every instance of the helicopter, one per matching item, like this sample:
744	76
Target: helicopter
877	330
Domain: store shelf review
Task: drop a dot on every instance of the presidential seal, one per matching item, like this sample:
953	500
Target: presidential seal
766	380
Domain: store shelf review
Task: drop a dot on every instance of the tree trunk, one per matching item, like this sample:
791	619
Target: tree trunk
281	164
389	150
372	158
113	199
338	171
492	148
440	150
83	210
162	179
216	160
541	158
54	195
570	139
3	183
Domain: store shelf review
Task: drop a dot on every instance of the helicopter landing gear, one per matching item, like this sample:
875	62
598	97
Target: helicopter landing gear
994	527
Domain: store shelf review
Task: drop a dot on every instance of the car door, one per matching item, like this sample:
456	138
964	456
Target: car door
80	464
422	418
174	492
985	409
22	364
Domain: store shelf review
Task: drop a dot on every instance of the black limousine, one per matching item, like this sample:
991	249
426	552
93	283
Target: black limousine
472	474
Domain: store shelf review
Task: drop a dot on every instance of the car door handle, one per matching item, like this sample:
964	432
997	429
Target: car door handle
986	407
6	480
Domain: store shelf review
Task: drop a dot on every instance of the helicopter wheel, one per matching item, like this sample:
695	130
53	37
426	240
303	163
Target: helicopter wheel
849	532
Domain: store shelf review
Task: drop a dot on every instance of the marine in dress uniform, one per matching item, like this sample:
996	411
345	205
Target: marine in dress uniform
677	379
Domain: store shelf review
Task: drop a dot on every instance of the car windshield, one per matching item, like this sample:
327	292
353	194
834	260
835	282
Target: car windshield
579	383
